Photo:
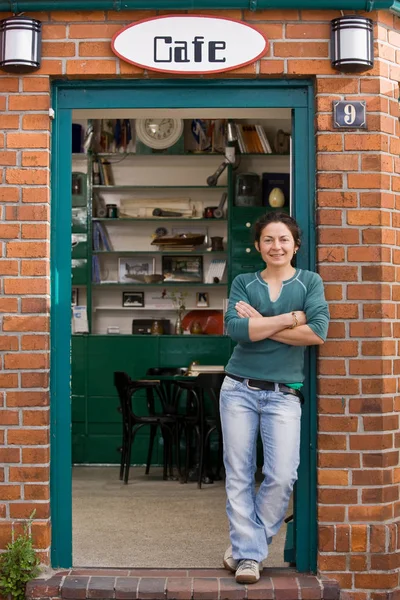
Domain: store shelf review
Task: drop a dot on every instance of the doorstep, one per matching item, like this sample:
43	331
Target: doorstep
179	584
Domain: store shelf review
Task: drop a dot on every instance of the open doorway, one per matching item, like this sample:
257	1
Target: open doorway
149	247
100	501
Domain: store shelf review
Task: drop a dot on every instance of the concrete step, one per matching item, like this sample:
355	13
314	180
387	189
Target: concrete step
179	584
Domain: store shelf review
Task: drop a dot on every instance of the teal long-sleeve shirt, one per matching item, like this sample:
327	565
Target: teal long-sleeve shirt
267	359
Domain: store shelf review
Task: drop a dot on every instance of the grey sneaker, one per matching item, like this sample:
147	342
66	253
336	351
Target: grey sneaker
230	563
248	571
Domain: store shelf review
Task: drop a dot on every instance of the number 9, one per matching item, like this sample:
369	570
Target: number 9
350	114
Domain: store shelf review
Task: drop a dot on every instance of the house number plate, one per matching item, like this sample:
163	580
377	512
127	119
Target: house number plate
349	115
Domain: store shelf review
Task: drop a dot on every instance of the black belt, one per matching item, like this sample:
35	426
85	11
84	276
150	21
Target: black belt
268	386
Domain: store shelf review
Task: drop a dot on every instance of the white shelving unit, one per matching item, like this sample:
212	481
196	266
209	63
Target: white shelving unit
150	178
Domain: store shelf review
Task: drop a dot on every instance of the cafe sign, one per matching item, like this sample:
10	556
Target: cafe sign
191	44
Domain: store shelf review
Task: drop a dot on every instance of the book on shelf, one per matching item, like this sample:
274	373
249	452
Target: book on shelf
263	139
240	139
252	139
96	277
105	171
101	240
216	269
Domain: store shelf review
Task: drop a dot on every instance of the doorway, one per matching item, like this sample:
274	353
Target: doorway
176	97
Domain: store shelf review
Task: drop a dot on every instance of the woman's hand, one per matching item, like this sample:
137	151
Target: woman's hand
301	317
245	310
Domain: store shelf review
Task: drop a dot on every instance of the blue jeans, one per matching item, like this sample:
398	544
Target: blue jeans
255	518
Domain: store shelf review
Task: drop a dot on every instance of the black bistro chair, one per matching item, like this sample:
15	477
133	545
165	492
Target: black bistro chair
132	422
202	422
167	391
169	395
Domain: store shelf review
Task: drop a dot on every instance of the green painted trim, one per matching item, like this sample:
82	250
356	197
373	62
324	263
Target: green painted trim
253	5
183	93
295	94
60	336
304	533
395	8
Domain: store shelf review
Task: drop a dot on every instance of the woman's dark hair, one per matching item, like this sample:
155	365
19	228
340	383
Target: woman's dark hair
278	217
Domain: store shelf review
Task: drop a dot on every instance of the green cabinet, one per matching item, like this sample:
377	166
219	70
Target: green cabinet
245	258
96	420
109	353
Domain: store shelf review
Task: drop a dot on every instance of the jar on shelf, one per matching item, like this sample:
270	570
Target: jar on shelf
157	328
112	211
247	190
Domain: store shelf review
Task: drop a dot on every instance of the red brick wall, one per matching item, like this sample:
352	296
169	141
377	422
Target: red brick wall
358	459
357	185
24	306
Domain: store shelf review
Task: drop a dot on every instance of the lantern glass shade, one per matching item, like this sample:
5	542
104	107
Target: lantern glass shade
352	44
20	44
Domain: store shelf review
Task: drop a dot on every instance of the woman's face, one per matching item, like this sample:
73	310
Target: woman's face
276	245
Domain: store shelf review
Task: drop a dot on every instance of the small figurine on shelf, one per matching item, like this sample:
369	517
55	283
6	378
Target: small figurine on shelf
178	300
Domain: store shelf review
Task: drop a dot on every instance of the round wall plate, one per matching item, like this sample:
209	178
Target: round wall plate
159	133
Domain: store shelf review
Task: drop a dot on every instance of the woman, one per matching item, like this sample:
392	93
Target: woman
272	315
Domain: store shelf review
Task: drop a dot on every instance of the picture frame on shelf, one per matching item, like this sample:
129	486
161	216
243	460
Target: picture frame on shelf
202	299
135	269
74	296
133	299
182	269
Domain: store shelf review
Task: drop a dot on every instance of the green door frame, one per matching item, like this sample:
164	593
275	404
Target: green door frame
189	93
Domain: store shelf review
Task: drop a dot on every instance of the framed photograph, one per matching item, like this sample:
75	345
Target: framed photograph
132	299
75	296
135	269
202	299
182	268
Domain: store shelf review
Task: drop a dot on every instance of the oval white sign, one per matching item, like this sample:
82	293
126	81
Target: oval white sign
189	44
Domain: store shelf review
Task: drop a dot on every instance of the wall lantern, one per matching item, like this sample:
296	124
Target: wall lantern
352	44
20	44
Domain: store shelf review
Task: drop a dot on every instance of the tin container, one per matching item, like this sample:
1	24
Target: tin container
112	211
